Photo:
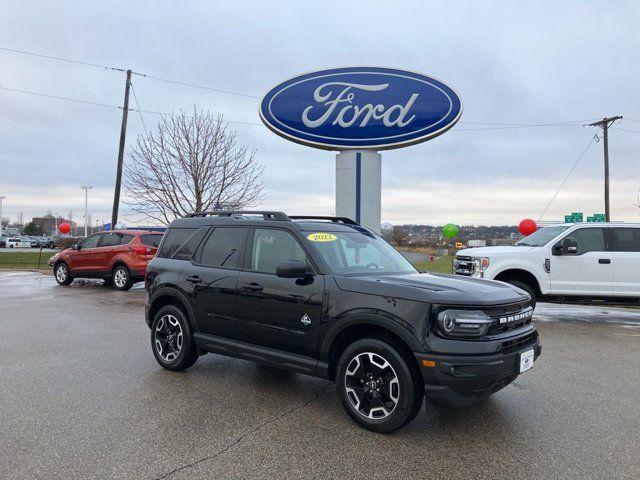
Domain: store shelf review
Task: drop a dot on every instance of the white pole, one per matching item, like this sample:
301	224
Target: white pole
86	189
1	198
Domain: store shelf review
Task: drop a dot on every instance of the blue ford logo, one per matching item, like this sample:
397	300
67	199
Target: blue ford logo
360	107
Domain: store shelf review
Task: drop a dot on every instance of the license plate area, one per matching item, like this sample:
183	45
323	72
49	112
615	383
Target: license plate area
526	360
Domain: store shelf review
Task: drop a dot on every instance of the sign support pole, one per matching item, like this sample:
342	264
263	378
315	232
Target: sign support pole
358	187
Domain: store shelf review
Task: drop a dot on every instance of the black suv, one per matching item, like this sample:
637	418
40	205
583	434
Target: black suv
325	296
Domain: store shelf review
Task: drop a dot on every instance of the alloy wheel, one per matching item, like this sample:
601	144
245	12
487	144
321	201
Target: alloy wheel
120	277
168	338
372	385
61	273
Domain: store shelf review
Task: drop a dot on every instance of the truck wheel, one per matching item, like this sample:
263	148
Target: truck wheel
378	384
121	278
526	288
171	339
62	274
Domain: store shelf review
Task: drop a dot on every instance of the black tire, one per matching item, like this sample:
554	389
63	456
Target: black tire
62	274
526	288
398	377
183	348
121	278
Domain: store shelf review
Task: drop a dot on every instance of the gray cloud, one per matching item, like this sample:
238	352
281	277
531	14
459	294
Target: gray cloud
511	63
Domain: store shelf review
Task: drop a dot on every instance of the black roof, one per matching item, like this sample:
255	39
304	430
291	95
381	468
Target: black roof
264	217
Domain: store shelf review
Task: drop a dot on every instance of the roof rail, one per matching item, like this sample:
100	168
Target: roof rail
267	215
344	220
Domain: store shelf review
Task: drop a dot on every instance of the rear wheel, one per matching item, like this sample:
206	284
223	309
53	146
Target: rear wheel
171	339
121	278
378	385
526	288
62	274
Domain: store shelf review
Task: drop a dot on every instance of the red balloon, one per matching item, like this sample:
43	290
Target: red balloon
64	228
527	227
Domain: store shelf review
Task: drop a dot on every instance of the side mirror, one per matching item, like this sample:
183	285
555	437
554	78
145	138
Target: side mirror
569	246
557	249
291	269
75	246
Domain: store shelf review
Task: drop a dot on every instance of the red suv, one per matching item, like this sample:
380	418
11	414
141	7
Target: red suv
120	257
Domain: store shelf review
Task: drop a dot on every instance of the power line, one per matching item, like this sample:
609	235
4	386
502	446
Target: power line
68	99
575	165
626	129
202	87
135	98
76	100
106	67
62	59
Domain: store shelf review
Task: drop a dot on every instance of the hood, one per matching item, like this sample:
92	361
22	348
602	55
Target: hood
434	288
492	251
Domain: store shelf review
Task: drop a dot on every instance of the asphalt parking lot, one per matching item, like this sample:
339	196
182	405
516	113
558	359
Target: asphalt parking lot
82	397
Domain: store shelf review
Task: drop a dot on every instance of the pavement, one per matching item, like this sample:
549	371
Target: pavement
81	396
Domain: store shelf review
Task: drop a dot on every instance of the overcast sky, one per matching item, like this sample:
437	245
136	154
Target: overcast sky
510	62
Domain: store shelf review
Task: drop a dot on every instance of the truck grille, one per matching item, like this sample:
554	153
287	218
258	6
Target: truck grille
463	265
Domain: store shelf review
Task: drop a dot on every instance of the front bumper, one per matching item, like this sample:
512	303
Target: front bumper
460	380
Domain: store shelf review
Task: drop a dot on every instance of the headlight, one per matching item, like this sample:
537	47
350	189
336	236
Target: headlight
480	264
463	323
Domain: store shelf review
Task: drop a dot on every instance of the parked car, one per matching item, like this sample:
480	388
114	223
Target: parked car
327	297
18	242
44	242
119	257
583	260
3	241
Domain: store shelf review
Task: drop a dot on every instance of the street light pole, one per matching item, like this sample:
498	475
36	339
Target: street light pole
1	199
86	189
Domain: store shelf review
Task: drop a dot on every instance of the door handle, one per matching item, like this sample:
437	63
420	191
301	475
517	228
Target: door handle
604	260
254	287
194	279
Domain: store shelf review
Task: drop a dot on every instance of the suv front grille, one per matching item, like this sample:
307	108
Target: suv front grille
463	265
510	314
511	346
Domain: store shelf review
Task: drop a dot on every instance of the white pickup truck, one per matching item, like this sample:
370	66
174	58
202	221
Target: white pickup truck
580	260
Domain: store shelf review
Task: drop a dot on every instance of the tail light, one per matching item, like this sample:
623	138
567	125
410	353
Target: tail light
141	250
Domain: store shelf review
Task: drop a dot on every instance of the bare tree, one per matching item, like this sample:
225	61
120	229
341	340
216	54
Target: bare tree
637	204
192	163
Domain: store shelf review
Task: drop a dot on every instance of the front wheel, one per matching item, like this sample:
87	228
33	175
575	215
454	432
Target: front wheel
171	339
62	274
121	278
379	386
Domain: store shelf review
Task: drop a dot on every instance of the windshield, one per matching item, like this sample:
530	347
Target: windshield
542	236
358	252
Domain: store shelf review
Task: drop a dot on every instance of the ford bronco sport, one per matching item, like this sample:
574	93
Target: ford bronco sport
325	296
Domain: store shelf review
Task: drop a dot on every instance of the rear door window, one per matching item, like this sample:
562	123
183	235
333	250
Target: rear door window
110	240
126	239
626	239
223	247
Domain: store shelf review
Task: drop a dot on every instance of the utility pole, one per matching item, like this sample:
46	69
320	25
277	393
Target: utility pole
123	134
86	189
1	199
605	123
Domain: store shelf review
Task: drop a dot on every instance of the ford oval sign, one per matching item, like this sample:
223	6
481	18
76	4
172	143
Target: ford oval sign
360	107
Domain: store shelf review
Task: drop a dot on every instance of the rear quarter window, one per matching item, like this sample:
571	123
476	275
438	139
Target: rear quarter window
151	240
